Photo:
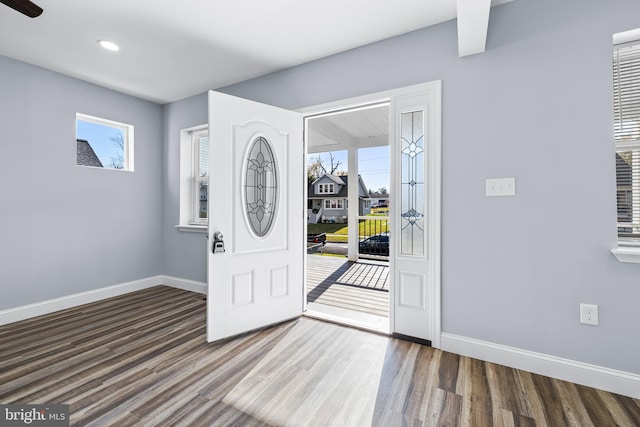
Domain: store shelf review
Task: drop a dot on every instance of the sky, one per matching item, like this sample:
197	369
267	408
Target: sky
373	165
98	137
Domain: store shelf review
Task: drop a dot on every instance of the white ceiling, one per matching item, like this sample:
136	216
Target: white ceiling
172	50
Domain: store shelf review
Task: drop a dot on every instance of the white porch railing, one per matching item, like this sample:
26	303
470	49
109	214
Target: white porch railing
313	218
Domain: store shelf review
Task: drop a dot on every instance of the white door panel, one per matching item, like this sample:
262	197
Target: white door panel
415	249
255	182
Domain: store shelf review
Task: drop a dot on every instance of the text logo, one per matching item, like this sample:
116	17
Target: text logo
34	415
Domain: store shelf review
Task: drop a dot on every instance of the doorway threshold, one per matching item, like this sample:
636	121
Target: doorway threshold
342	316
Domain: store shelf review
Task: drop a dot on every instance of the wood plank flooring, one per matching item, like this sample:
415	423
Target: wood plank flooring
358	286
141	359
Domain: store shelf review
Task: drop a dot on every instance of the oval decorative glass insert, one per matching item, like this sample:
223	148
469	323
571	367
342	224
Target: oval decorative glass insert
261	187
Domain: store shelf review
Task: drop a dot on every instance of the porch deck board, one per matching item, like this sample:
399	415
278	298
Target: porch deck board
359	286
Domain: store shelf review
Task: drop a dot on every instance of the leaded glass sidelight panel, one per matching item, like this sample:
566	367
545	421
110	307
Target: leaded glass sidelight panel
412	191
261	187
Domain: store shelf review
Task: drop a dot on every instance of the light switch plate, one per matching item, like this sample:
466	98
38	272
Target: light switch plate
501	187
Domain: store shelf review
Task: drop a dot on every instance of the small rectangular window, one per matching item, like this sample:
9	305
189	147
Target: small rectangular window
102	143
626	106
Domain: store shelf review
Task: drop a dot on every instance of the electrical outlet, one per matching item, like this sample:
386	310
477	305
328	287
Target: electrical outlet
589	314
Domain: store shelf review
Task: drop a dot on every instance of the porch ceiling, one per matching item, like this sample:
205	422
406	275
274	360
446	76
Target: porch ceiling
366	127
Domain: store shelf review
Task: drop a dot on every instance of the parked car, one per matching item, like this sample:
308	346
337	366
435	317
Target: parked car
377	244
320	238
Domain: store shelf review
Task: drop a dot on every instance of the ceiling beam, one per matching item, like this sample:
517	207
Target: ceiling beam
473	24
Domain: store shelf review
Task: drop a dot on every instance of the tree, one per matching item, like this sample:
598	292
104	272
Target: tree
319	167
382	190
117	161
314	170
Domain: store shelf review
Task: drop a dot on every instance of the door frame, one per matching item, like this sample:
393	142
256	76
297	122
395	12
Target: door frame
434	90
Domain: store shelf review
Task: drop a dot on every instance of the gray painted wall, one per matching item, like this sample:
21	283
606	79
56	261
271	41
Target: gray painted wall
185	253
66	229
536	106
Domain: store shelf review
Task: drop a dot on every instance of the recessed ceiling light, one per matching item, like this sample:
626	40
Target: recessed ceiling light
109	45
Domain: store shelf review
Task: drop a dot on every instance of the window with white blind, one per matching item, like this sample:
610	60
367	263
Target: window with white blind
200	176
194	178
626	105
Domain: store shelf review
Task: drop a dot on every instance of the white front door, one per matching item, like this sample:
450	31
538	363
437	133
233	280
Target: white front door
256	177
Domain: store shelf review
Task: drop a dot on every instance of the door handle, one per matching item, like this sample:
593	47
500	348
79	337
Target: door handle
218	243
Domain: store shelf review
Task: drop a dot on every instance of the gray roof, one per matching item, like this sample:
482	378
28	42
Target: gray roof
341	181
335	178
85	156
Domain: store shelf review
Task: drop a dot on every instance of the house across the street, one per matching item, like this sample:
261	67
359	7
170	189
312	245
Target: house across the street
328	199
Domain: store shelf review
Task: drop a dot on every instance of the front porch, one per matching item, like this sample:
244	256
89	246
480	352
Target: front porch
358	291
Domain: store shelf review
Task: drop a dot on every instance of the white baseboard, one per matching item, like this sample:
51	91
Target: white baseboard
187	285
620	382
45	307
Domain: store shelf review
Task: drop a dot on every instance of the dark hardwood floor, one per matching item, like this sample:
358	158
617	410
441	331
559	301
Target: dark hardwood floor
142	359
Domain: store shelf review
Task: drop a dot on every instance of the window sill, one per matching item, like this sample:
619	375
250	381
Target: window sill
627	254
192	228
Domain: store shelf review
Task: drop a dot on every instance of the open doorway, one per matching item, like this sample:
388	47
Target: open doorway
348	271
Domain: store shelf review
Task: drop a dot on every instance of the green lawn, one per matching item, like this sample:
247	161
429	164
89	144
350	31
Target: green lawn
370	227
380	211
325	228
